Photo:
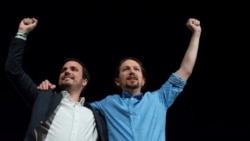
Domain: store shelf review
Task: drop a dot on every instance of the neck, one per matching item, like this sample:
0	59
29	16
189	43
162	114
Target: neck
75	95
133	92
75	98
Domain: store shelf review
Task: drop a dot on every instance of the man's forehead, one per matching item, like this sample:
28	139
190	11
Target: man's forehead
130	63
72	64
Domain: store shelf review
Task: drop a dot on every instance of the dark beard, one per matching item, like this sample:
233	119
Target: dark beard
65	86
132	86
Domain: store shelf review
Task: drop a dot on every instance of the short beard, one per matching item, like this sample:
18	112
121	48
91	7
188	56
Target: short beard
65	86
132	86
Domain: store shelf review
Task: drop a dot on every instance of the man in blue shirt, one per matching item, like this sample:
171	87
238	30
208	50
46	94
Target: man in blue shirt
136	116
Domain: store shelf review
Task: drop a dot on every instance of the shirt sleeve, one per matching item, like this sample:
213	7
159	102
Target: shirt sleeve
171	89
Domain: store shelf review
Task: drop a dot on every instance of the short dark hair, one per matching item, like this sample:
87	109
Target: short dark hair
85	72
117	70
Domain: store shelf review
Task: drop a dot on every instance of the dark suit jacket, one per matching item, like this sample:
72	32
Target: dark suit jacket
43	102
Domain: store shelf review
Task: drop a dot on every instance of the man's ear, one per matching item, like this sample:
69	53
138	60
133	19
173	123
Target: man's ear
84	82
117	82
143	82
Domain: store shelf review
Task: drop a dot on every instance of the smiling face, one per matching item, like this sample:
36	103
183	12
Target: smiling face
130	76
71	76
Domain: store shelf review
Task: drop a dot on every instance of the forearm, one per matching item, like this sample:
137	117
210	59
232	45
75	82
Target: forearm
189	59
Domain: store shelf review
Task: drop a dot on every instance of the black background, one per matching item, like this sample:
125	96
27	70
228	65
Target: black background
214	104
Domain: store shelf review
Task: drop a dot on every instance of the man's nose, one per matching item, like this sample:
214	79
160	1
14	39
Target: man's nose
132	71
66	72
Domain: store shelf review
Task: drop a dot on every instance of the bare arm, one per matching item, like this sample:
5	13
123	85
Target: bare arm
189	59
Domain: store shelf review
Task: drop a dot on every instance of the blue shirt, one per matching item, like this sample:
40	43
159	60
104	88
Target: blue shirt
141	117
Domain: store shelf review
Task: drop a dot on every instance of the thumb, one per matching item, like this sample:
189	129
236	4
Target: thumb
52	87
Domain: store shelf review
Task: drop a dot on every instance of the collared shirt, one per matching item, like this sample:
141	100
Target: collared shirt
141	117
71	121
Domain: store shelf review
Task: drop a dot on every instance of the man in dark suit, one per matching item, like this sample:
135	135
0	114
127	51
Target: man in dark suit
55	116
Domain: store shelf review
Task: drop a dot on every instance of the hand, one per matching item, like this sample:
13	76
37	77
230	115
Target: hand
27	25
194	25
46	85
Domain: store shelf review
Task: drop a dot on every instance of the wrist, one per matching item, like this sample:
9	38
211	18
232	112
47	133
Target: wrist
21	35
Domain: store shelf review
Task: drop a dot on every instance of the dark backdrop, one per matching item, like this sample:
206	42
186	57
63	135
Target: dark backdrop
214	104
